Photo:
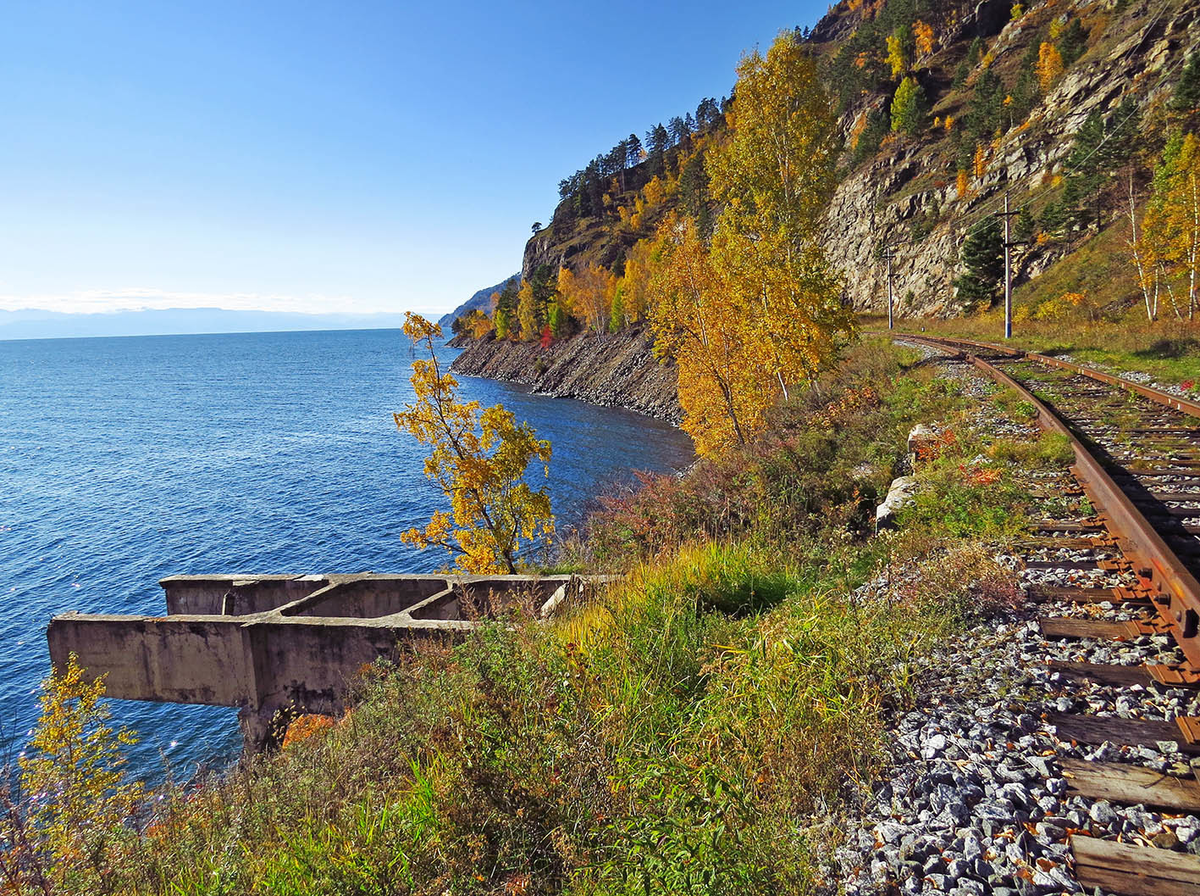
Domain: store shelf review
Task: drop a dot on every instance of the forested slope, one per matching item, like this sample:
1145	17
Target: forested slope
942	107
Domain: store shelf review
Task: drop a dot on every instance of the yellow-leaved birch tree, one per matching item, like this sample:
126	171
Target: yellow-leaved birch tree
775	176
696	321
479	458
1172	222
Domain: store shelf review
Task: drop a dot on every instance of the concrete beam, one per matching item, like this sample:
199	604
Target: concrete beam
271	643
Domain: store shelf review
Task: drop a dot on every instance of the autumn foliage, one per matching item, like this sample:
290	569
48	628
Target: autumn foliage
478	458
759	309
60	822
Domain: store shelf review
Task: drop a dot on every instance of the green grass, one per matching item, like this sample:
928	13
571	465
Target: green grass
1113	331
691	730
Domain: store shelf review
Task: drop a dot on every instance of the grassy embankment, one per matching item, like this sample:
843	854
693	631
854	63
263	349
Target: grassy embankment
695	730
1105	325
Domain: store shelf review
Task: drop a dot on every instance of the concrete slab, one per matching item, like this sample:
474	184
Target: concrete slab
277	643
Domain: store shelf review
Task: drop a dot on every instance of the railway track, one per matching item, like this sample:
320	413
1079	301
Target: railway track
1137	461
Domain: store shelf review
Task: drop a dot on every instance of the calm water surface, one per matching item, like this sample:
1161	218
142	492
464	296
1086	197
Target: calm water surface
124	460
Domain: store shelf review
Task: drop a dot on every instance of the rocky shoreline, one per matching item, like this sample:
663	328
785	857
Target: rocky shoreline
611	370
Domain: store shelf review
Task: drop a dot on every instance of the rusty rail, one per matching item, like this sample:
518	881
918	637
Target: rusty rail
1174	590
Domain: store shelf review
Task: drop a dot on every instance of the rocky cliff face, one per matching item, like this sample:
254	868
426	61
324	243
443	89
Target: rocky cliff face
884	201
615	371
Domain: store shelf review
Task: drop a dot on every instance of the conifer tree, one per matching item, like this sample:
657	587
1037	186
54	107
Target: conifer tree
975	52
678	130
1123	135
961	73
987	105
1025	227
983	259
633	150
707	113
1072	43
657	142
693	193
1081	194
909	107
1185	101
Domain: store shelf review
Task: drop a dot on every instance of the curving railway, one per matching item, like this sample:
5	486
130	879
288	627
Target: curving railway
1137	461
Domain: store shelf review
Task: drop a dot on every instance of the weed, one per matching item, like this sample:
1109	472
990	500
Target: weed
684	731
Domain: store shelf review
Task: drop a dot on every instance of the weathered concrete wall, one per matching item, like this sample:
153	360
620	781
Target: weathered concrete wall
179	659
236	595
368	597
297	643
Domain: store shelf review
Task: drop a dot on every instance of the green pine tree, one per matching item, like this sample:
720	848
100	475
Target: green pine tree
1080	198
975	52
1053	218
909	107
617	316
1025	228
1186	99
1123	134
983	261
986	108
1072	43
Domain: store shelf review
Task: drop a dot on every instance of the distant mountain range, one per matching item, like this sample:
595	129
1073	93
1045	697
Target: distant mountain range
37	324
479	300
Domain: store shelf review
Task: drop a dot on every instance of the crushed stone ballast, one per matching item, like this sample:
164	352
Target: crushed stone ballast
1055	749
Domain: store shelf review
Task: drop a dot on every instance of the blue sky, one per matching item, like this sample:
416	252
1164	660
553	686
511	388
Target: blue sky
353	156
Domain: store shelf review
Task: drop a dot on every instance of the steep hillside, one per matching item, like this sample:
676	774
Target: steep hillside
479	301
1003	94
910	195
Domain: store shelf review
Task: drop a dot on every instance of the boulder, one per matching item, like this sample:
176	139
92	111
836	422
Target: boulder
923	442
900	494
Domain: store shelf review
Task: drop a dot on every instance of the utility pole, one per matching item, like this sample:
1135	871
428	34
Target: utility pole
1007	271
888	254
1008	244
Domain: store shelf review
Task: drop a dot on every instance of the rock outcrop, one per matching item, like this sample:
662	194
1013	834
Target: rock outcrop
615	371
896	200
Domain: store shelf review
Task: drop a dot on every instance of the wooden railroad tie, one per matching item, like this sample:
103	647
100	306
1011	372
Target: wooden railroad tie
1077	595
1131	784
1068	526
1134	870
1100	629
1099	541
1086	729
1148	674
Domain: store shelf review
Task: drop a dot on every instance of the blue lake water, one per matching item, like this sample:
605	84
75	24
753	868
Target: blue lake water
124	460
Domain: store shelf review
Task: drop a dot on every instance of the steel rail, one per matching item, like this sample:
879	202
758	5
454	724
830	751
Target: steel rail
1183	405
1173	589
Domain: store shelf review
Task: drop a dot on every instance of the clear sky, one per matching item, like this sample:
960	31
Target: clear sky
322	156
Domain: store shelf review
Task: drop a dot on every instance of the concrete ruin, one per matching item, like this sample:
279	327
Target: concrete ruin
274	645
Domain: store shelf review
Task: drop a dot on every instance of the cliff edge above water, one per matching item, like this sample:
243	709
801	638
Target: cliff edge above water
612	370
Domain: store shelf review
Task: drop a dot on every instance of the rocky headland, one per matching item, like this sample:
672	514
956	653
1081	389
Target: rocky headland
612	370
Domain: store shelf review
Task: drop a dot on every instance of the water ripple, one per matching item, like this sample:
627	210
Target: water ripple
126	460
